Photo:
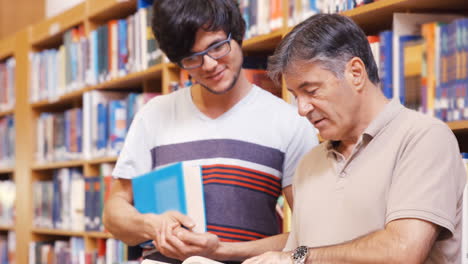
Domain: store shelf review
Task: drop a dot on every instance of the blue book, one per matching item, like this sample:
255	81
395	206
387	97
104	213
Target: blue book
102	126
123	49
177	187
144	3
117	127
386	64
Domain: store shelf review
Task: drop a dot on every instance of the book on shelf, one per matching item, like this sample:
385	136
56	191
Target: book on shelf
59	136
107	115
7	84
404	25
60	203
7	141
190	260
176	187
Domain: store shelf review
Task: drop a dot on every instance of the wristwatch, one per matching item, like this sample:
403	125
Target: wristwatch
299	255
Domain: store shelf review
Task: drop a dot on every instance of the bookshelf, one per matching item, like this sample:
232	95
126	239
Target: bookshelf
56	232
263	43
49	32
6	170
7	112
57	165
105	10
6	228
91	14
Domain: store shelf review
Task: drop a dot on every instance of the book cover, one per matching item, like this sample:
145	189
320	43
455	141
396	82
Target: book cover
177	187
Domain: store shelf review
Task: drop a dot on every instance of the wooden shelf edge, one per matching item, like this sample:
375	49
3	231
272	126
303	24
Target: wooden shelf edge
57	232
103	9
57	165
98	234
102	160
458	126
65	97
55	26
6	112
7	47
131	77
135	77
253	42
6	228
7	170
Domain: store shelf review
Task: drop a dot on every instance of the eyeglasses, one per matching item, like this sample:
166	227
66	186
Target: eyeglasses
216	52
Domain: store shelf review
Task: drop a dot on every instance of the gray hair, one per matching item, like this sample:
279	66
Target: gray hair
329	39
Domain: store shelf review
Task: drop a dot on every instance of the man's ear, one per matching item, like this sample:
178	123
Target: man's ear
355	73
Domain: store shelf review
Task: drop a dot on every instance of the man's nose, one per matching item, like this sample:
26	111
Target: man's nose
209	63
304	107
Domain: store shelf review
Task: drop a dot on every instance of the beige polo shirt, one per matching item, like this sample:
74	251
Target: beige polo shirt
405	165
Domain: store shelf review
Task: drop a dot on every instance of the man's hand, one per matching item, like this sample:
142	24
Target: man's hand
272	257
180	243
158	226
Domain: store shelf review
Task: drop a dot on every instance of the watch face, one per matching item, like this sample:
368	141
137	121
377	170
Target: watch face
300	252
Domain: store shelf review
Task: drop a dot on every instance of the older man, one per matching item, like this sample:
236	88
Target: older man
386	186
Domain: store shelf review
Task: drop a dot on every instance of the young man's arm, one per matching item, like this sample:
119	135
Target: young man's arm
125	223
185	243
402	241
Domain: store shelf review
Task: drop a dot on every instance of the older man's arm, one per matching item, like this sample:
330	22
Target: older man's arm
402	241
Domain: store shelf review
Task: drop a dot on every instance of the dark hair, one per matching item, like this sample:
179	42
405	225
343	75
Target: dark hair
329	39
175	23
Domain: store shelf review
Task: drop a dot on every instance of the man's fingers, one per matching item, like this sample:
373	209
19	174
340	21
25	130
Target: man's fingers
183	219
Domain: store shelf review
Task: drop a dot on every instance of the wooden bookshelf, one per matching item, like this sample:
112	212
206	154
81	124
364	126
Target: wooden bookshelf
49	32
377	16
458	126
57	232
7	112
263	43
8	170
6	228
63	100
103	10
132	79
57	165
7	47
104	235
98	161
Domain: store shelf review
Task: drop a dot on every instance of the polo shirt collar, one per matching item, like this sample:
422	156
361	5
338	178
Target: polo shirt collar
389	112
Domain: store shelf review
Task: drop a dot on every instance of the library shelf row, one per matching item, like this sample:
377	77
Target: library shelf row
71	164
372	18
377	16
128	81
49	32
70	233
455	126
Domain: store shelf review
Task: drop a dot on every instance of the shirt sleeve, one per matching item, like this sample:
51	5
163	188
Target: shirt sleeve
303	139
135	156
429	179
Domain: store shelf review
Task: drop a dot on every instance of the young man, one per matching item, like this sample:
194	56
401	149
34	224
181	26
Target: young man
386	186
249	138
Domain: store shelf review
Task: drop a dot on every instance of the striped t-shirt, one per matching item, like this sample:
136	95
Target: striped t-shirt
247	155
